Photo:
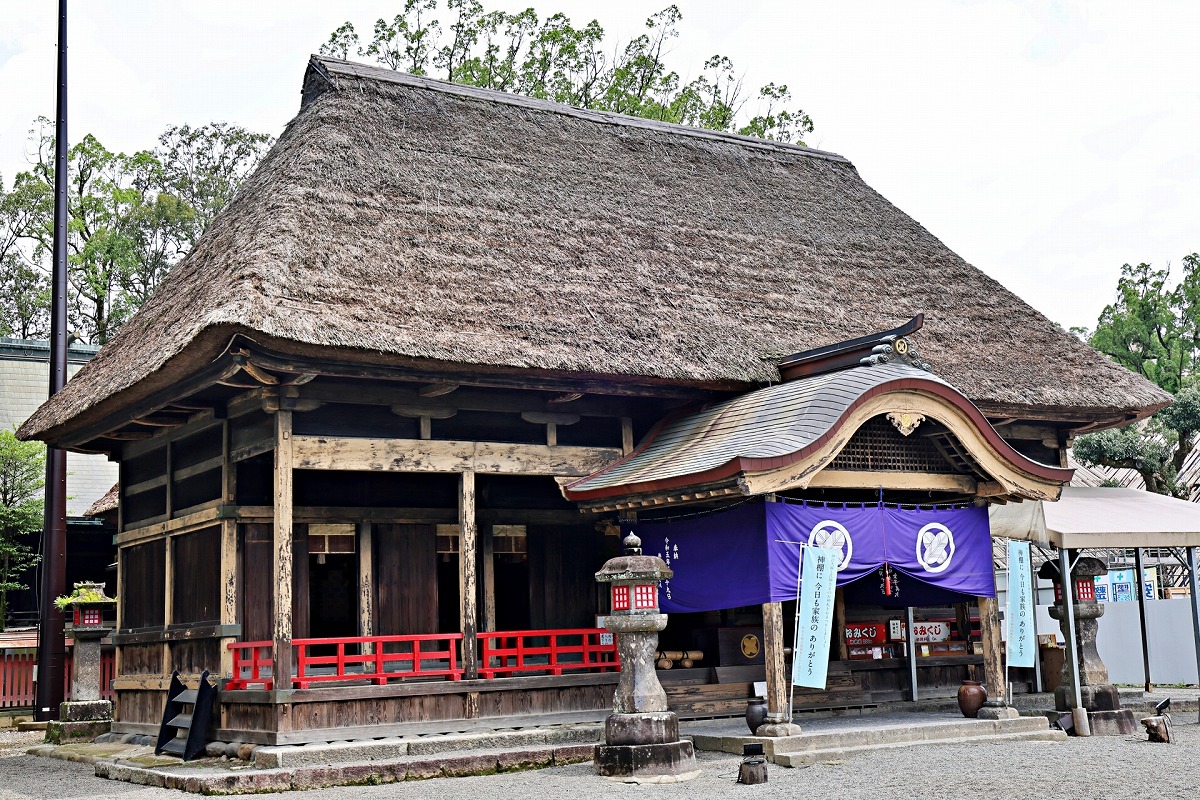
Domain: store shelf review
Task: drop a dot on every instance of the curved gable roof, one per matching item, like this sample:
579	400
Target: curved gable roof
776	427
404	218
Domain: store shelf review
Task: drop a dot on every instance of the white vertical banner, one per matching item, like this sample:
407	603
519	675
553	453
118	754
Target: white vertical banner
814	616
1020	616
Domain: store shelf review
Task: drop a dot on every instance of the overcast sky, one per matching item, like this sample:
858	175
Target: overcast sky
1046	142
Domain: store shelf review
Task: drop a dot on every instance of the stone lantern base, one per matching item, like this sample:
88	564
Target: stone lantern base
80	721
645	748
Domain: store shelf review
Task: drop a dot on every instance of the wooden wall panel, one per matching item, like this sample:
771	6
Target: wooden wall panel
562	576
196	584
195	656
141	659
144	587
256	581
405	579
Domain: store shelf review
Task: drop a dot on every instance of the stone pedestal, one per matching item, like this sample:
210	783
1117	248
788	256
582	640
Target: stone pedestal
85	716
85	663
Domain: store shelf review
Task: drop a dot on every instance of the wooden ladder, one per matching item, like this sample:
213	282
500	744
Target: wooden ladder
184	729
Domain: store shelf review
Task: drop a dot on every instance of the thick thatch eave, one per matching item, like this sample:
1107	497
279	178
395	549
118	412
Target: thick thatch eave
404	218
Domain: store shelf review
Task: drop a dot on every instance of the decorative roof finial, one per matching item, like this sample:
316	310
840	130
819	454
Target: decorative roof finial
632	544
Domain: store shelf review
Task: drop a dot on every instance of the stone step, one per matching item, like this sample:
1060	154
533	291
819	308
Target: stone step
807	758
274	757
908	734
203	780
32	726
861	733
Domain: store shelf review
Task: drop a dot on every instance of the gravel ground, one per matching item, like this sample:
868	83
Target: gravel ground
1096	767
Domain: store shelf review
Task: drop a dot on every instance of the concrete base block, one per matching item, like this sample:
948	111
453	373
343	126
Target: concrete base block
671	762
1112	723
778	729
998	712
1094	698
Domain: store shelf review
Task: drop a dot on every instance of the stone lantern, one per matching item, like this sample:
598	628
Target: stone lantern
1097	695
641	736
85	716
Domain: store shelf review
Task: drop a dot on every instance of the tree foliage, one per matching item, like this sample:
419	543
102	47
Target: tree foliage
553	60
22	476
131	218
1153	329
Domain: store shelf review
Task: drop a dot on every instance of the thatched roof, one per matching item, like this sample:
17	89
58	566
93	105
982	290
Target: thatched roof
106	504
402	218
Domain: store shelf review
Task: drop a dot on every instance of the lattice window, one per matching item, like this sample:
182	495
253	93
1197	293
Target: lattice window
1087	590
877	445
645	596
620	598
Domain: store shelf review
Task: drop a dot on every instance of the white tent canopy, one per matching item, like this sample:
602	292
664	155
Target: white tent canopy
1101	517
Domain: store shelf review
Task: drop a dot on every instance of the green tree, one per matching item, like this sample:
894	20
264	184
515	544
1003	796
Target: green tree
554	60
131	218
1152	329
22	476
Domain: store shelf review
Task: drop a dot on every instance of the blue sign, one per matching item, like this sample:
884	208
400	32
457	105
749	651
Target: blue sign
814	616
1022	630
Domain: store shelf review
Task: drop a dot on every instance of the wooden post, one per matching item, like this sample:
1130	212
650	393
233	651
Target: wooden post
487	576
229	587
626	435
839	623
168	598
993	665
281	650
366	582
466	573
777	688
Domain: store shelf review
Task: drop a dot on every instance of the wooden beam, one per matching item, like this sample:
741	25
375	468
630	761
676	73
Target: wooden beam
919	481
411	516
184	524
437	389
426	411
281	566
549	418
467	528
417	455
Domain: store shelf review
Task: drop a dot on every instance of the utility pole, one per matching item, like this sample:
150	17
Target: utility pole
51	649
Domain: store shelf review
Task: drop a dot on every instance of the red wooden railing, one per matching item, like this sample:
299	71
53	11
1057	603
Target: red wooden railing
429	655
378	659
252	665
17	689
508	652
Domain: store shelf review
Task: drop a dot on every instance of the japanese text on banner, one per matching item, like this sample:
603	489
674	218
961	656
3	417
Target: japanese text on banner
1022	633
810	656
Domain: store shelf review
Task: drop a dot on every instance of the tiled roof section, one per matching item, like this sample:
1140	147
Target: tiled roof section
768	423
